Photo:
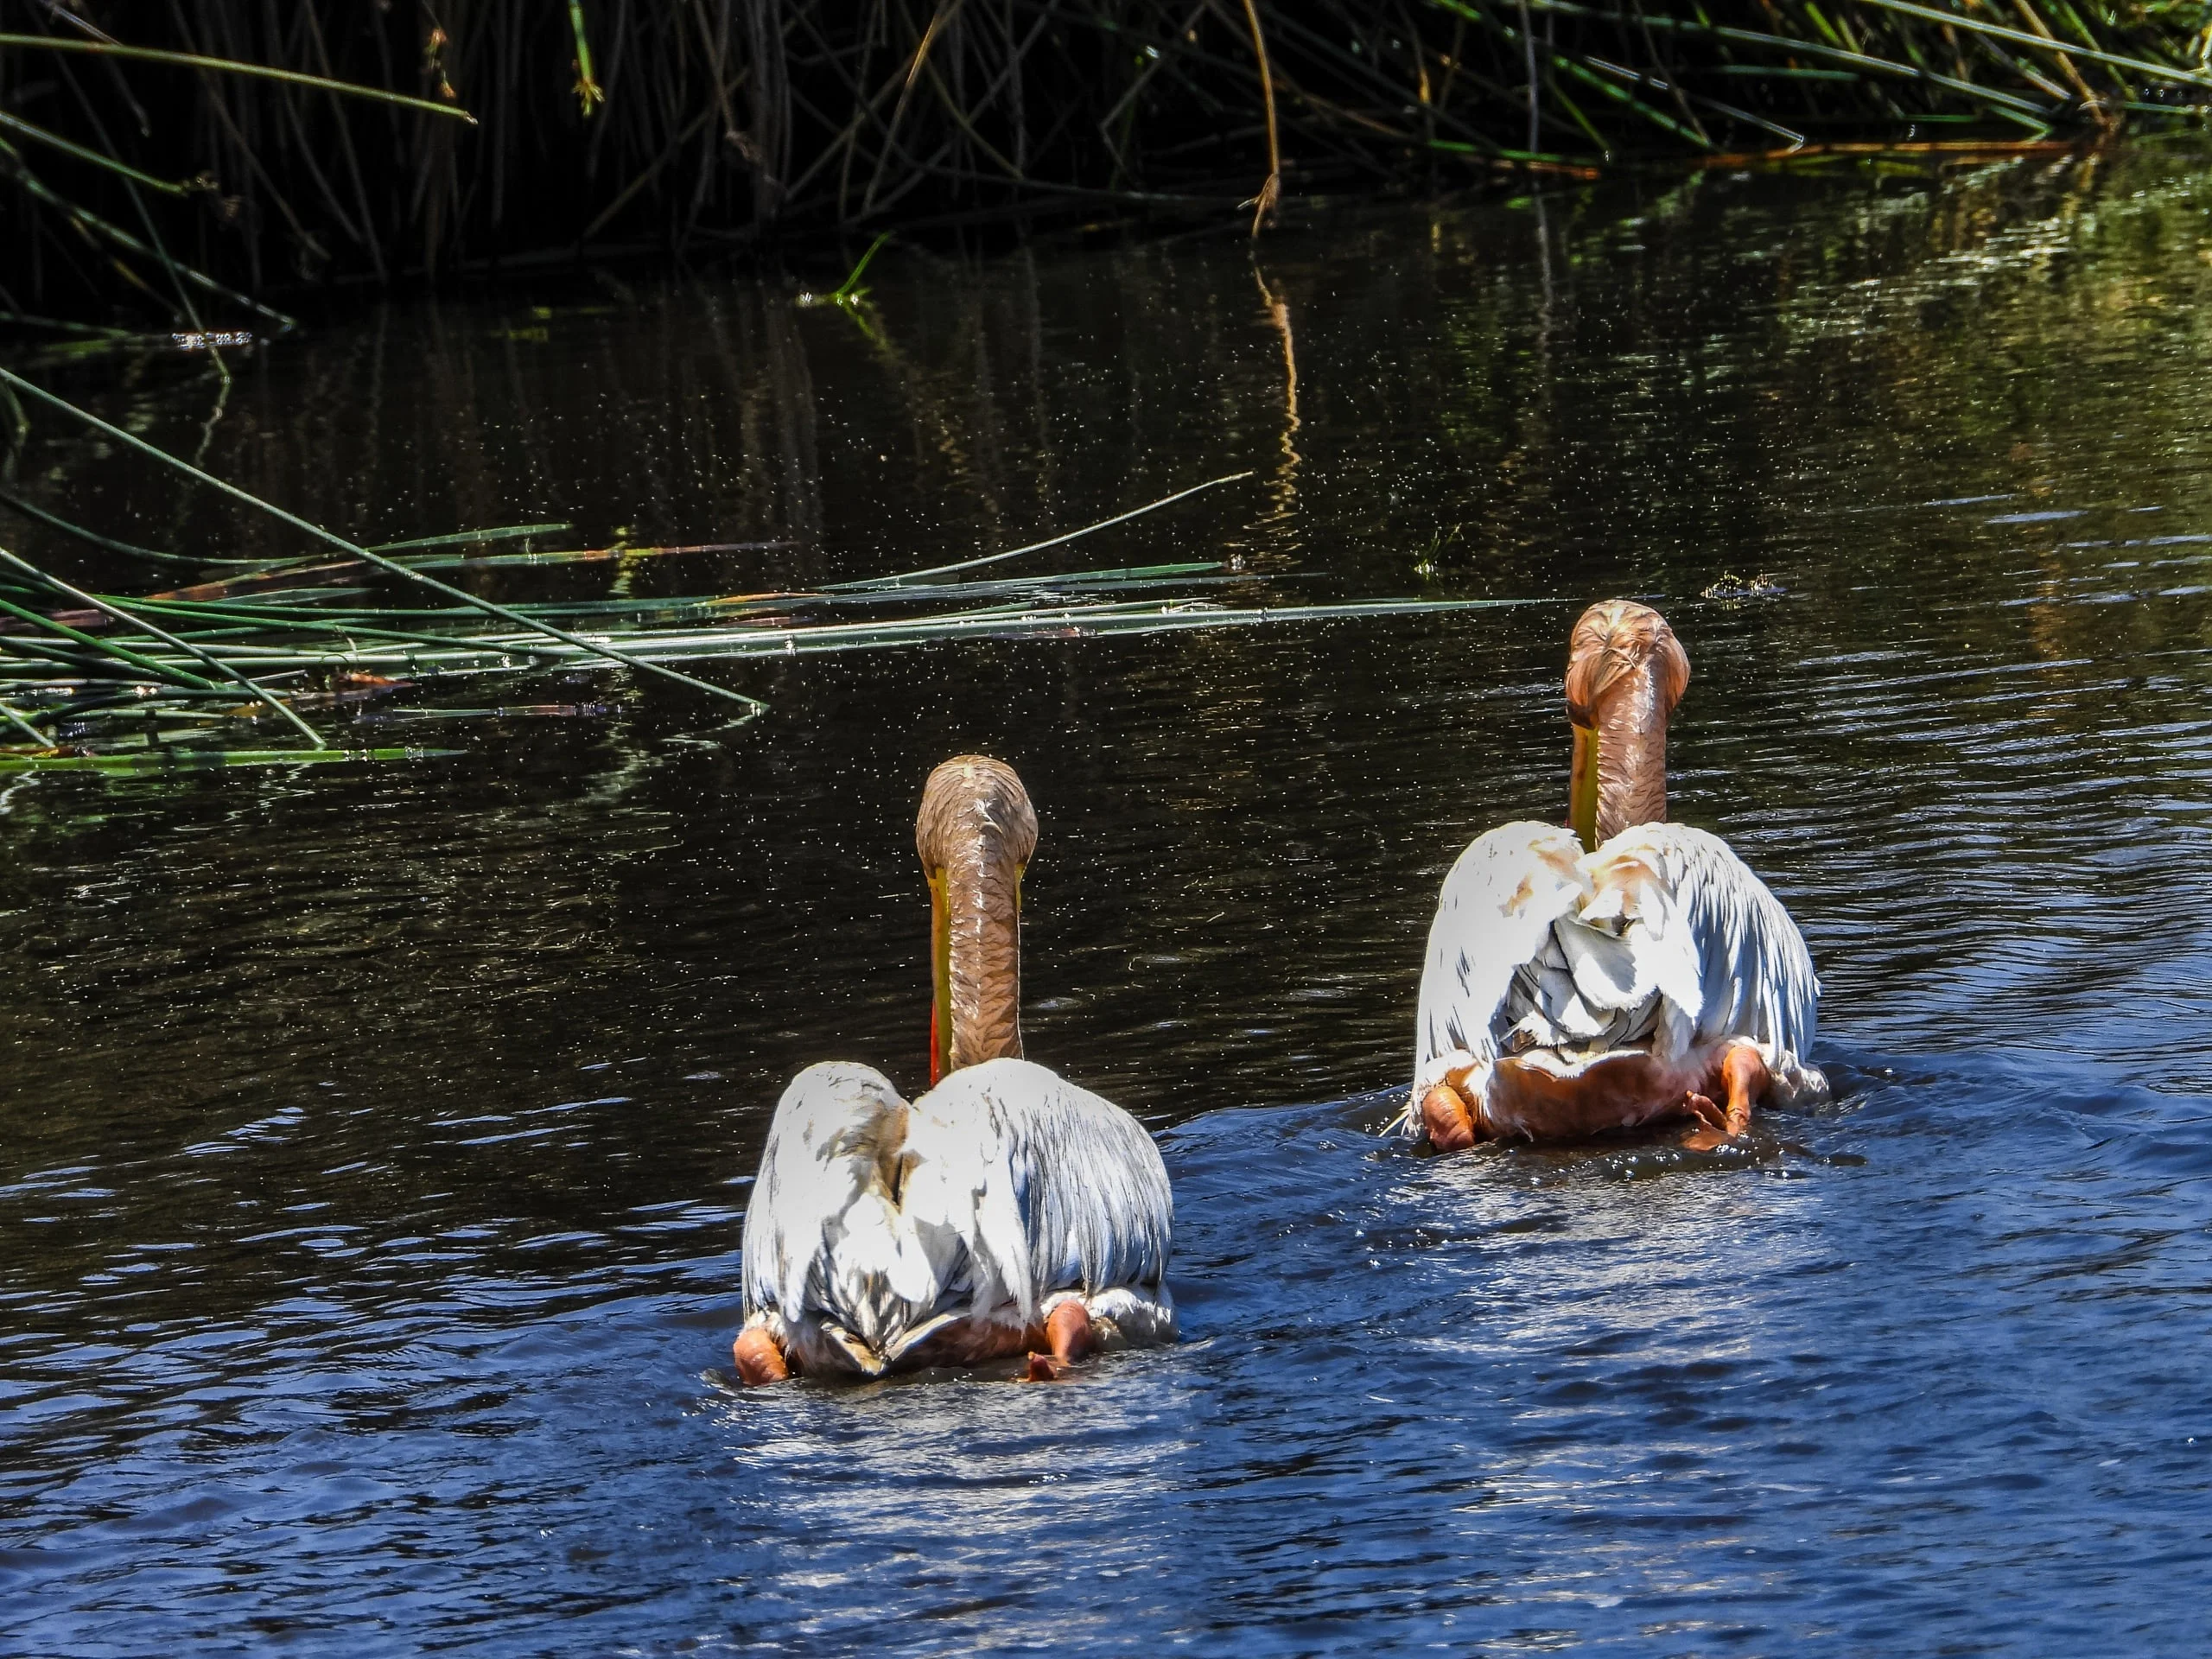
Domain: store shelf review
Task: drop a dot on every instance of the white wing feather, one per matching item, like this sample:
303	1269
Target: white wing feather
1719	946
823	1232
1496	911
1052	1187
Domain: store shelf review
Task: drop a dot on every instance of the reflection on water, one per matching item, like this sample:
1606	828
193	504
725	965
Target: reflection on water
377	1142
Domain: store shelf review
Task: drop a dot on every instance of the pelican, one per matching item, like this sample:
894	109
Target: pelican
1623	970
1006	1212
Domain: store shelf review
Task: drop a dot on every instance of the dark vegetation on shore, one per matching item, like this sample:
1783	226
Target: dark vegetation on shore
193	157
188	169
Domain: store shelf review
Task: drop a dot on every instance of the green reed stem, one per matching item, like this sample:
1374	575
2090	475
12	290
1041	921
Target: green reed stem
1034	547
93	538
233	67
95	330
90	157
107	648
275	620
24	726
1620	94
180	759
1988	95
2043	43
461	537
849	290
588	92
44	653
259	691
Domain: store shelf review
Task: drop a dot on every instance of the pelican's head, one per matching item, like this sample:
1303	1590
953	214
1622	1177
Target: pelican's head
1625	672
976	833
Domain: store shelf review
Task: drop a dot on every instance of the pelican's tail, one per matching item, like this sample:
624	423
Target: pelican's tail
876	1295
879	1283
915	1336
874	1359
862	1357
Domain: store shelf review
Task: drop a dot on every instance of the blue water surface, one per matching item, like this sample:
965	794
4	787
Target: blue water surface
375	1143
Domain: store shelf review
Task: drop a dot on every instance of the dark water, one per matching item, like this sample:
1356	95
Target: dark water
374	1143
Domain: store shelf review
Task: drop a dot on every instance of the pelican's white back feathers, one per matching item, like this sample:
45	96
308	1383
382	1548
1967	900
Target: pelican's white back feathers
1663	936
876	1223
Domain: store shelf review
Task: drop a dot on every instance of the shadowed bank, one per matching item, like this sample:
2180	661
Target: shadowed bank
202	160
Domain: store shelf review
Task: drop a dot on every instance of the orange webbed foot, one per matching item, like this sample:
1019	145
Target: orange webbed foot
1068	1337
1711	1129
1745	1078
1449	1120
1069	1332
1740	1079
759	1359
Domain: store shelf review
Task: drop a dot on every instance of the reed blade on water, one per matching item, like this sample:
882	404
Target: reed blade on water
121	682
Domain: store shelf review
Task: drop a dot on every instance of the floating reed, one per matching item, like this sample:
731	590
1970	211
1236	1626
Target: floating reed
226	150
112	680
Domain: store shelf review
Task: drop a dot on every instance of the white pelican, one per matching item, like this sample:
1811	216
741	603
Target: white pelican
1005	1211
1619	972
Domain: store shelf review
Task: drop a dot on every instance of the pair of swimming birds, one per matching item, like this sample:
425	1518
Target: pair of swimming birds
1619	972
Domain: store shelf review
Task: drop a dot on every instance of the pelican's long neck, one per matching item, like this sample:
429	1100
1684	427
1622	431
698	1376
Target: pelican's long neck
1625	672
974	834
976	960
1620	761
